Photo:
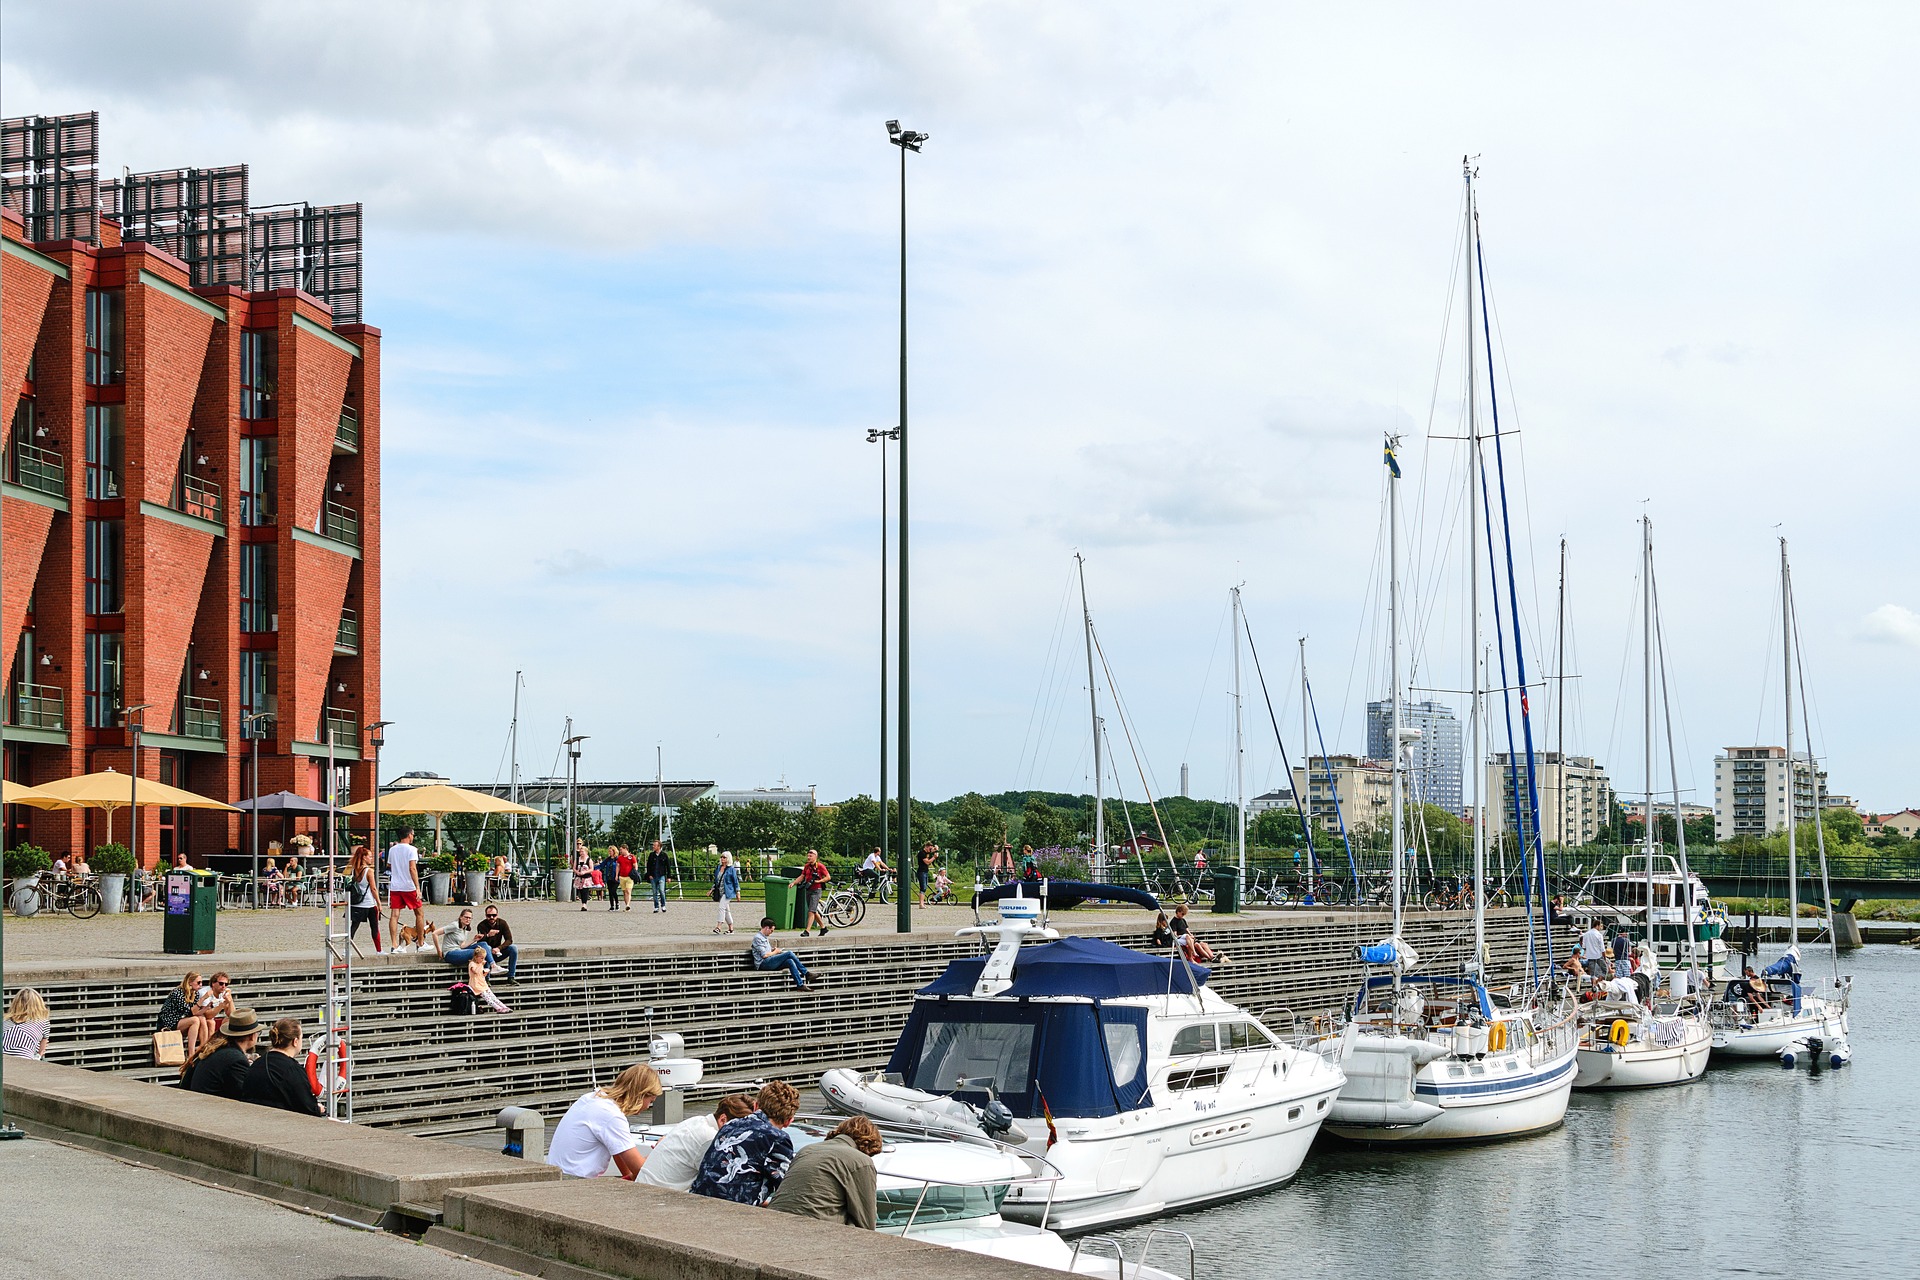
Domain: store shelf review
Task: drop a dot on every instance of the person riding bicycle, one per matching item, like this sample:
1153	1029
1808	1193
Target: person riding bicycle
873	870
942	887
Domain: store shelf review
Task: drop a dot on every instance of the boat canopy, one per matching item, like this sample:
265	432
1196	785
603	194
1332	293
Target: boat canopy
1090	967
1062	894
1053	1059
1378	981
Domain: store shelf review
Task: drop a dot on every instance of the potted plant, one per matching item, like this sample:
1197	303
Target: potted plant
562	874
24	864
475	872
113	863
439	869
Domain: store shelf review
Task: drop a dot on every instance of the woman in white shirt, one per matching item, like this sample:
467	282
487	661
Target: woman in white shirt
594	1134
675	1159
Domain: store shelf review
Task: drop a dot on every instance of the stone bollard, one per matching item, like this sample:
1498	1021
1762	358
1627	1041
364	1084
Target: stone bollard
526	1133
1846	931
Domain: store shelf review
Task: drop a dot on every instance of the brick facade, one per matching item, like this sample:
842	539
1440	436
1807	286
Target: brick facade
183	535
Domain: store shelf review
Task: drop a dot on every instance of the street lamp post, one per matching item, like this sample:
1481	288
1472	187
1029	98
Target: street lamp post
133	785
379	740
573	778
877	436
251	725
907	140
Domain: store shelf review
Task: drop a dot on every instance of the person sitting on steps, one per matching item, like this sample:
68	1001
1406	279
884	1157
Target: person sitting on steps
769	955
1196	950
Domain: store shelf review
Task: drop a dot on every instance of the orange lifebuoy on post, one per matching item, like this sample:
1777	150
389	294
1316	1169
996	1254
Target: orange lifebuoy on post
316	1057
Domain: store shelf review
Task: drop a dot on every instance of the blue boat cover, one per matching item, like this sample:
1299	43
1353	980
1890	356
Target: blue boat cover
1090	967
1378	981
1062	894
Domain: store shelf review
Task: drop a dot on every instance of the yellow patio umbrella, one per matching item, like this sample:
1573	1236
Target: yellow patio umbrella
20	793
113	791
437	800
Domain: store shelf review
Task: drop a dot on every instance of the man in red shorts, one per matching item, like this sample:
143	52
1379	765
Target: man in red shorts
403	883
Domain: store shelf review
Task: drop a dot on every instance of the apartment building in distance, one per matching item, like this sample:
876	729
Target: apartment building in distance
1751	791
1361	788
191	502
1575	796
1435	759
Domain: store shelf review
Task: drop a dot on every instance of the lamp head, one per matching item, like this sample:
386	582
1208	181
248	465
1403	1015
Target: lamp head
906	138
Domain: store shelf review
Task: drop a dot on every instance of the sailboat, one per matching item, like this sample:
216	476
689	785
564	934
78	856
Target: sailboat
1665	1038
1783	1019
1439	1057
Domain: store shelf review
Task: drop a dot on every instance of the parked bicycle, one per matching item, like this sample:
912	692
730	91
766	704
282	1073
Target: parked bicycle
844	908
1307	890
1455	895
80	898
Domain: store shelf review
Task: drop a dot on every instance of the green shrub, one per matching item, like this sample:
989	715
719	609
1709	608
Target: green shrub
25	860
438	862
112	860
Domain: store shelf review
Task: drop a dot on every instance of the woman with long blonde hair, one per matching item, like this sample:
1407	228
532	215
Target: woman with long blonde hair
363	894
180	1012
594	1137
26	1031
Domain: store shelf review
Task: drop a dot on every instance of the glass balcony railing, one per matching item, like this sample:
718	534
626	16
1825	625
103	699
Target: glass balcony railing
41	470
342	524
199	718
346	639
38	706
200	498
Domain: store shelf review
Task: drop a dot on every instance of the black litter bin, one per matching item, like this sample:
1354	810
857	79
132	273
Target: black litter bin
192	898
1226	891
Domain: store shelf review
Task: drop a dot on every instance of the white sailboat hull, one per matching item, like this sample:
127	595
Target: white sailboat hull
1501	1095
1639	1064
1179	1156
1777	1028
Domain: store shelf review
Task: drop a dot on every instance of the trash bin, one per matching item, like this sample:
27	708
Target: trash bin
1226	891
779	900
192	899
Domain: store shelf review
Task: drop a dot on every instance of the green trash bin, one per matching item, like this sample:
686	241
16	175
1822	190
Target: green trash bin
779	890
192	898
1226	891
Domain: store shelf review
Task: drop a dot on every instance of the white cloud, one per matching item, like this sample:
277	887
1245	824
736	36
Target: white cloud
1892	624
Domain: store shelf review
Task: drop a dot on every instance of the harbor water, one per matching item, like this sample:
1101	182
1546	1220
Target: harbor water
1753	1171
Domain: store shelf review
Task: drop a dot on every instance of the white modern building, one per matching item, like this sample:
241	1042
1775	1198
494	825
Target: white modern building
1575	796
1750	791
1434	757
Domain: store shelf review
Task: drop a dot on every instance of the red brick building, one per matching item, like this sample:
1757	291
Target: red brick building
191	501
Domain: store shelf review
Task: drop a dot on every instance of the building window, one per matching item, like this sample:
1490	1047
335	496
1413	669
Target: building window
103	679
106	551
106	450
259	369
259	587
106	337
259	690
259	468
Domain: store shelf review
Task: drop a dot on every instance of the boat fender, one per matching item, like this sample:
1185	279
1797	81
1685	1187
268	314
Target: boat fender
1496	1037
1840	1054
1621	1032
1790	1055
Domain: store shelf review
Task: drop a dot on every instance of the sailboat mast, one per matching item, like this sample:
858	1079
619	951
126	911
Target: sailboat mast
1306	759
1239	743
1646	690
1093	707
1673	773
1786	649
1560	703
1475	649
1398	843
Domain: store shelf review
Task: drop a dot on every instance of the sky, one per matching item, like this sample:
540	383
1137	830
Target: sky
1174	272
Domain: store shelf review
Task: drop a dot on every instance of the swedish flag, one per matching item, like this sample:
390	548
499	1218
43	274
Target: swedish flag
1393	463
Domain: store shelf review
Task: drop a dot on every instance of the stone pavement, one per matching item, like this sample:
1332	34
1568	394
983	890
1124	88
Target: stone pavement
75	1213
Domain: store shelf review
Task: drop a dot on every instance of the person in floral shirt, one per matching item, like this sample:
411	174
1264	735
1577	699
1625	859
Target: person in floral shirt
750	1156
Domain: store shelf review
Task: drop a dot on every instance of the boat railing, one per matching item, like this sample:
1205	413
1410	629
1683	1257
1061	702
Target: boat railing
1050	1178
1146	1247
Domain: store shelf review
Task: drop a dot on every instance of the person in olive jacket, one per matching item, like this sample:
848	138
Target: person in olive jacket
278	1077
221	1065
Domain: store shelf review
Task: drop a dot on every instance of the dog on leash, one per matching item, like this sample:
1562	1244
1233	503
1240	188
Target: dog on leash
412	937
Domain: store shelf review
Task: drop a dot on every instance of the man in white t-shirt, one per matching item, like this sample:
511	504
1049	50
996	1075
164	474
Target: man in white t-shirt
595	1136
403	887
1593	950
675	1159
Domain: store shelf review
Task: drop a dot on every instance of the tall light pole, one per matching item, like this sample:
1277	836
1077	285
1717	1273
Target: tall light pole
877	436
251	726
573	778
133	785
907	140
378	738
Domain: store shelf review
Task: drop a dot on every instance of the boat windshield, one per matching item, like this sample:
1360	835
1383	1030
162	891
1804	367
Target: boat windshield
956	1050
898	1206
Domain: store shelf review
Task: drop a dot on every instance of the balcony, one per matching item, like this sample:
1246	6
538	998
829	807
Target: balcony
199	497
346	434
198	718
346	639
41	470
38	706
341	727
342	524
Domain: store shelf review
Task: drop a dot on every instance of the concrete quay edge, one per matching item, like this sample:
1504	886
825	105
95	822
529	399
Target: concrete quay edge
608	1227
306	1161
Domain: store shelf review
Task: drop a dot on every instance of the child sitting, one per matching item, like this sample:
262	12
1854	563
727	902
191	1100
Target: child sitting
477	983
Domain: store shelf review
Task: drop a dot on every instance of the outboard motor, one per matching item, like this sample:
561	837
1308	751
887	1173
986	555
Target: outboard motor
1815	1047
995	1120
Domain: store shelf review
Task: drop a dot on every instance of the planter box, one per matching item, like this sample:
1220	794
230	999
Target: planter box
439	887
563	886
113	894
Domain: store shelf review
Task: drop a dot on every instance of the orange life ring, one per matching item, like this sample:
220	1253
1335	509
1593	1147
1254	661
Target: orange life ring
313	1068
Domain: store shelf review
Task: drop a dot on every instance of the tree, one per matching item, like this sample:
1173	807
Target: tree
810	828
977	826
1043	826
1275	829
634	827
856	827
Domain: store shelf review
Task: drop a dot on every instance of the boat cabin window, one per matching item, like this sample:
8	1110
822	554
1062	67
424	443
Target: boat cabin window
895	1205
953	1051
1243	1035
1126	1047
1197	1077
1191	1040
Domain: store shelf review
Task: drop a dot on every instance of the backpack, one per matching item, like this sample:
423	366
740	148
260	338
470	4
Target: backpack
459	999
